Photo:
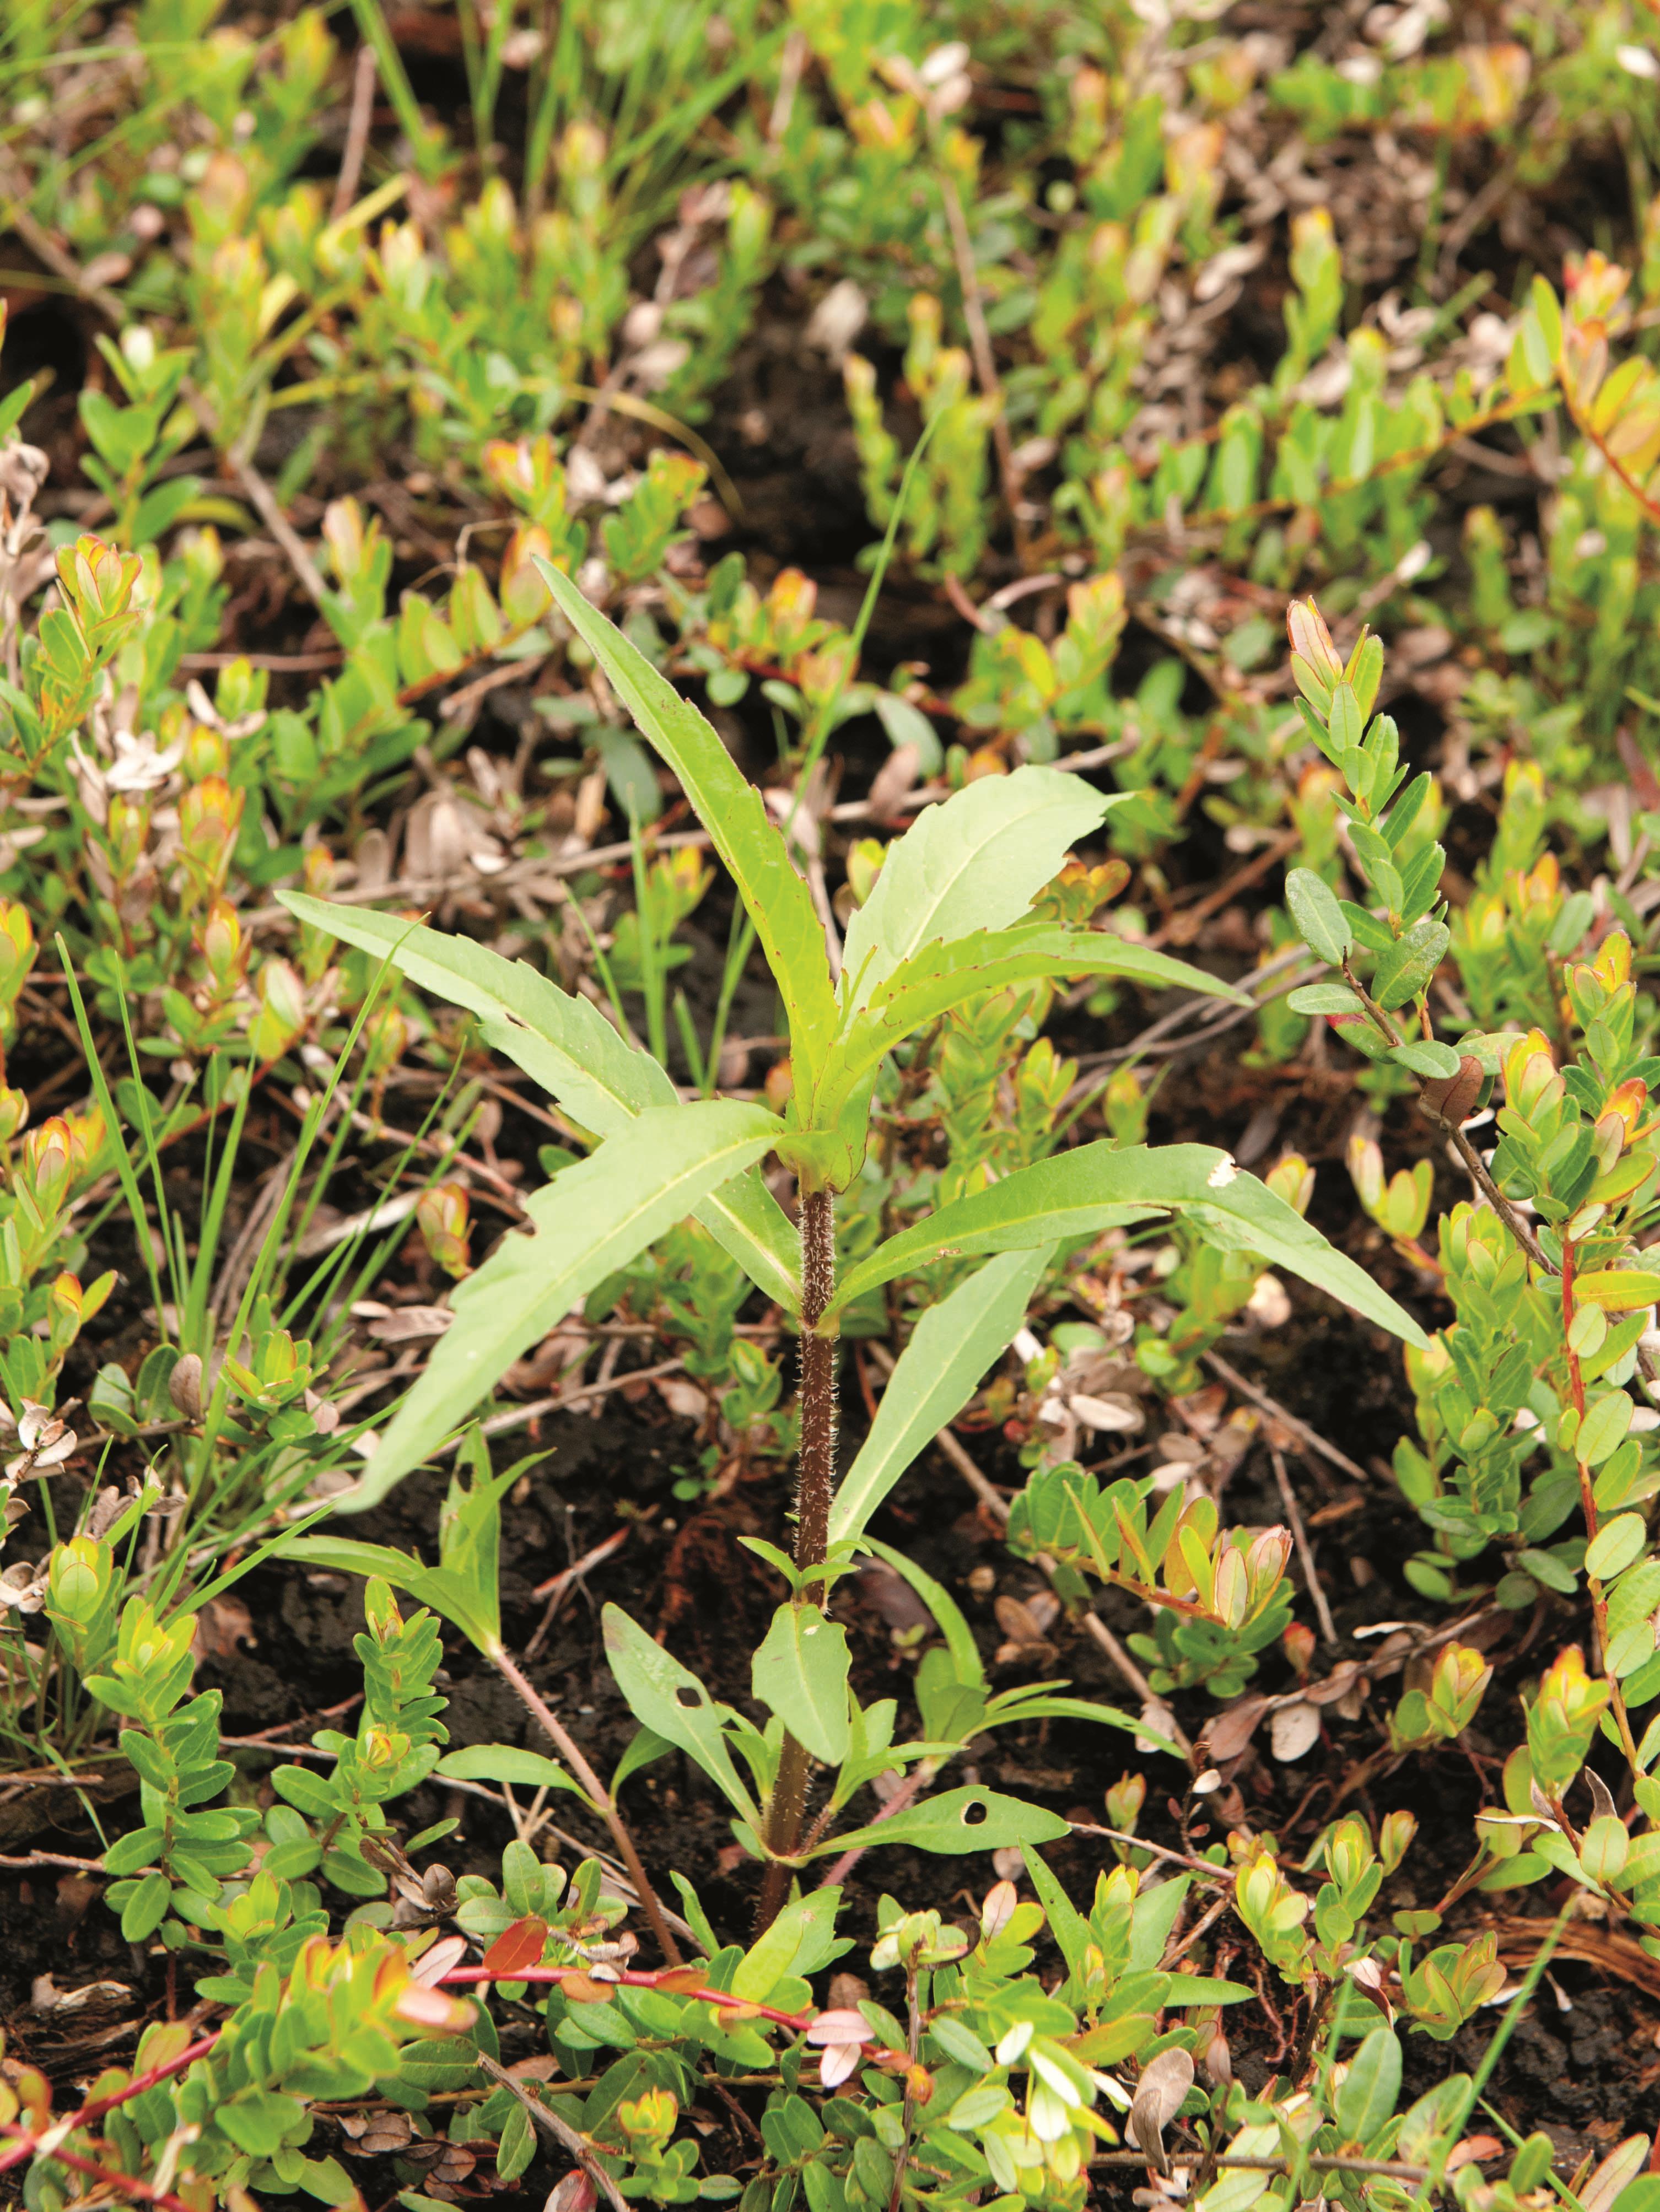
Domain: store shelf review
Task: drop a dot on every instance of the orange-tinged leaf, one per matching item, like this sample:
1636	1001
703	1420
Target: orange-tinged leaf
517	1948
683	1981
1619	393
1590	361
579	1990
1311	641
1134	1546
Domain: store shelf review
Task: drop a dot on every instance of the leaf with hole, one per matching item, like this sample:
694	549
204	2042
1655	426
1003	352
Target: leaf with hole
669	1699
963	1820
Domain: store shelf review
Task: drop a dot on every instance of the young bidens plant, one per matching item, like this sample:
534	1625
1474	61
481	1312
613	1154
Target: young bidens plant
947	920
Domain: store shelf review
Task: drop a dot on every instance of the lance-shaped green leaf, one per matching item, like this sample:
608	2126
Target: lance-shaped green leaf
465	1587
934	1377
943	975
565	1044
776	900
801	1673
591	1220
1080	1193
961	1821
947	1613
669	1699
975	862
445	1593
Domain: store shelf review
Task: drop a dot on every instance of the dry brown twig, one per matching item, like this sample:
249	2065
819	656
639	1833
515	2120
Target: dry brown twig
542	2116
358	131
1304	1549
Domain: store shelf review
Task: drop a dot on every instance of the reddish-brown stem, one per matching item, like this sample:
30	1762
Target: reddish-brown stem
817	1380
598	1797
124	2185
634	1979
1588	1506
787	1803
28	2140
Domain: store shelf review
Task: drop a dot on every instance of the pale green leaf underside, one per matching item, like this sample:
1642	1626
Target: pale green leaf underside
943	975
589	1221
776	900
800	1672
975	862
934	1377
1077	1194
669	1699
565	1044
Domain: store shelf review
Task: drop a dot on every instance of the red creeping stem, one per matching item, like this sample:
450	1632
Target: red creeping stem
798	2022
126	2184
27	2139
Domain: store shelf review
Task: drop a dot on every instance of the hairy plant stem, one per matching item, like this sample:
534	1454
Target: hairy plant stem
787	1803
598	1797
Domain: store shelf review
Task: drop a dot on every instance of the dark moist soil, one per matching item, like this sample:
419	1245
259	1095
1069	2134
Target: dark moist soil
1583	2063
